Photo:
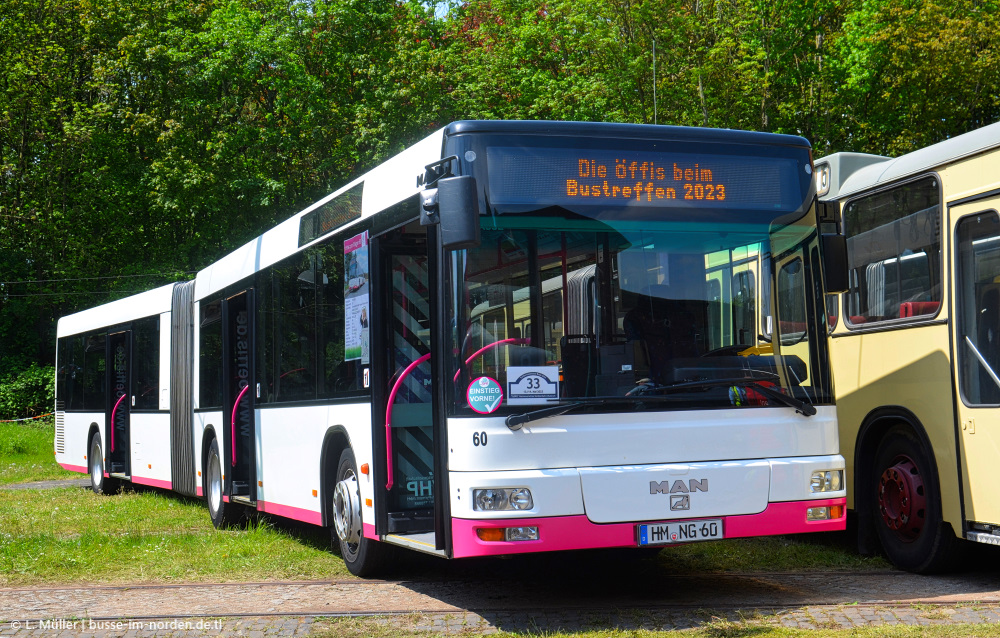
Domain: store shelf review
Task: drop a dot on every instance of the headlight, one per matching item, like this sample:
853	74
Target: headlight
502	498
826	481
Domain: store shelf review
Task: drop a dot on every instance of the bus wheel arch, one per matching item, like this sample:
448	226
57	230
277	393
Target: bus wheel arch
898	496
335	442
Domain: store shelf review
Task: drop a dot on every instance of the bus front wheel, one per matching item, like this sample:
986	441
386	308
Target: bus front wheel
363	556
907	506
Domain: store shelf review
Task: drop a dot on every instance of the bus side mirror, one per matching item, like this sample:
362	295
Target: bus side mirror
835	263
455	205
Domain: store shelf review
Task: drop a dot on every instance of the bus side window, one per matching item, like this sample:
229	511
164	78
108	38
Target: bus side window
210	355
146	353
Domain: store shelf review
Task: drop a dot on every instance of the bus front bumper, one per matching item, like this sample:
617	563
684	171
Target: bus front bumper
555	533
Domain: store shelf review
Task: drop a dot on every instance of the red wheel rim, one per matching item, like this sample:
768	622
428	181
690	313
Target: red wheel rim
901	498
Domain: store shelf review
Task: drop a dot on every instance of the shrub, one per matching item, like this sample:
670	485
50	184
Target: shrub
29	393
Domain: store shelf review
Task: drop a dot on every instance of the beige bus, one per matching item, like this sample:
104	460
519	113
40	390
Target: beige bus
915	345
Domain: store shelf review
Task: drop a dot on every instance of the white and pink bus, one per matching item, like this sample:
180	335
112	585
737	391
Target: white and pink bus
511	337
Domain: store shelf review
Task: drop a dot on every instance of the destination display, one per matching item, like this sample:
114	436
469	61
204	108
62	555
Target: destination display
631	178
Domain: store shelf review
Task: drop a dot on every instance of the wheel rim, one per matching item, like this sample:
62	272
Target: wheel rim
214	483
96	464
347	512
901	498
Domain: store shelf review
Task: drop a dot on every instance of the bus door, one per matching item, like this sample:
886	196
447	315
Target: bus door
119	403
240	392
404	419
977	354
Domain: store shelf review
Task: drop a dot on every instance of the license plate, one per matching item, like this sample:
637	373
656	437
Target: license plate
680	531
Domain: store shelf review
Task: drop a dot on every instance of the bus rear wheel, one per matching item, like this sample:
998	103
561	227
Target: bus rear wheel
907	506
98	482
363	556
223	514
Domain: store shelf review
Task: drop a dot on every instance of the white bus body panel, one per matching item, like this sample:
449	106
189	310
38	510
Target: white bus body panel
625	493
290	443
146	304
642	438
396	179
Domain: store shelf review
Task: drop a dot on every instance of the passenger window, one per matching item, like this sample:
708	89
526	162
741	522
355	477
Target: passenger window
894	253
210	356
978	299
146	354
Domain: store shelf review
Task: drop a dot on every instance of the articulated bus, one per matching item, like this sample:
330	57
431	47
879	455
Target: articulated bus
512	337
916	354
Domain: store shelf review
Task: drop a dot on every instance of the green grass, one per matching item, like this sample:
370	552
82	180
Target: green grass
75	536
26	453
753	628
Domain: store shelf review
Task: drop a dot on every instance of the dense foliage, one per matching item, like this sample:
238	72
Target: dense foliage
141	141
28	393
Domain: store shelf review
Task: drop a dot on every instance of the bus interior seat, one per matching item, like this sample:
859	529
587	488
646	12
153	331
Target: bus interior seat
918	308
579	364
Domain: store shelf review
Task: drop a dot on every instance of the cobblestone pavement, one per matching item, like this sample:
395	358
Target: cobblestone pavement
463	605
486	598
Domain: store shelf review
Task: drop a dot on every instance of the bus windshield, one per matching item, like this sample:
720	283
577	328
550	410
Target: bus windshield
602	309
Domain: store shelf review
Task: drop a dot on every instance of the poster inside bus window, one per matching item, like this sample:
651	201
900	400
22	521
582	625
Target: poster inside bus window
644	179
356	299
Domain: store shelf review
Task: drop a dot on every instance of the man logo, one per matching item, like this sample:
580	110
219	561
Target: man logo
678	487
680	502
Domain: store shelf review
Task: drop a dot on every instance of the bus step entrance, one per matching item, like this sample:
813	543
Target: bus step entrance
243	500
410	522
120	475
117	467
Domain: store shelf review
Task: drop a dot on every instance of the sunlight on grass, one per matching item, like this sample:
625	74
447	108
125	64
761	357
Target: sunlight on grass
73	535
26	453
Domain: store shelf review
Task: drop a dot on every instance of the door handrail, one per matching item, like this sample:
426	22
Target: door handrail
113	410
232	421
388	416
517	341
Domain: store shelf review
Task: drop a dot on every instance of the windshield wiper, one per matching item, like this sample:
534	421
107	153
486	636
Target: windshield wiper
516	421
802	407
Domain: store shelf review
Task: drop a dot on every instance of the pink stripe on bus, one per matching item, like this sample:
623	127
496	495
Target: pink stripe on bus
167	485
74	468
288	511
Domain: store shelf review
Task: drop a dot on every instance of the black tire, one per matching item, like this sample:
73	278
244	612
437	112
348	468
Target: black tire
95	459
224	515
906	506
364	557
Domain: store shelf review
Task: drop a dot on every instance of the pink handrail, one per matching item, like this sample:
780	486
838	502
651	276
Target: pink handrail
232	421
113	410
388	416
490	346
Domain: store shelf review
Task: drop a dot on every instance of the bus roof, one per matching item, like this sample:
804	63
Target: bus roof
851	173
627	131
145	304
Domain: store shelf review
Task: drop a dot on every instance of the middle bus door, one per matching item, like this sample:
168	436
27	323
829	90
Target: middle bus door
976	343
403	342
119	385
239	397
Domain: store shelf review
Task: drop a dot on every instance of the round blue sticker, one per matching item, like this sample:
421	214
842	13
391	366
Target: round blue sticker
484	395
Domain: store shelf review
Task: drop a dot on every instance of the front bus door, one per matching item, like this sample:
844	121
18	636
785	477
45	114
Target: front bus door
118	405
405	421
239	397
977	360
